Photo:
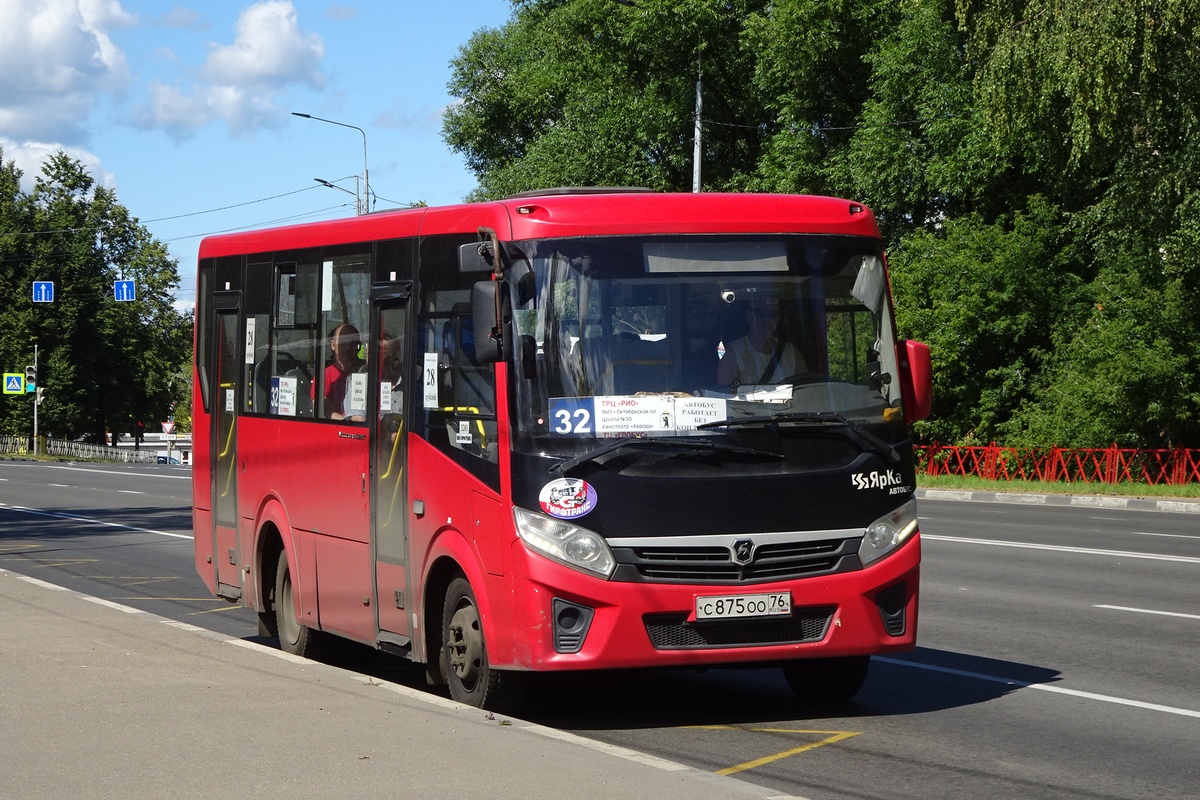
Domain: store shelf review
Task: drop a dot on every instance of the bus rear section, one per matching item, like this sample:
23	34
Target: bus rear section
602	431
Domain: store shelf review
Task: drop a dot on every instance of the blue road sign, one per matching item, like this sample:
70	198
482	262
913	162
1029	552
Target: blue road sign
43	291
14	383
123	291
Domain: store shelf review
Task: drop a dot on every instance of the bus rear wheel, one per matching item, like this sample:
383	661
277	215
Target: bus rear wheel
825	681
294	637
464	651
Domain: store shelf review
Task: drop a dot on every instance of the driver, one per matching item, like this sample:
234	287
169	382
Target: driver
762	355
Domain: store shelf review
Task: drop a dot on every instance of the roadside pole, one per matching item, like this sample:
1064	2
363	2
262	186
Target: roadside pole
35	401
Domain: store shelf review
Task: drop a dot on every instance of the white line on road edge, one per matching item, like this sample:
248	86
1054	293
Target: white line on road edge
74	518
1042	687
1151	611
42	584
1087	551
100	601
187	477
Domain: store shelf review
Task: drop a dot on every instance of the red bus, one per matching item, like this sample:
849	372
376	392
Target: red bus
568	430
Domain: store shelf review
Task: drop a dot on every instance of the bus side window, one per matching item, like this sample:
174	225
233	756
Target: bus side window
472	421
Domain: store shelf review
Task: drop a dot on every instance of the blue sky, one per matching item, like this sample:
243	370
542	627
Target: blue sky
185	108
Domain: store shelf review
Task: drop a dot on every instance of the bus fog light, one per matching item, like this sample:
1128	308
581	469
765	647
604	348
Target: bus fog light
888	532
568	544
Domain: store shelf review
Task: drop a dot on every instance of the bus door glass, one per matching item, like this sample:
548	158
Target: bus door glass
224	460
389	516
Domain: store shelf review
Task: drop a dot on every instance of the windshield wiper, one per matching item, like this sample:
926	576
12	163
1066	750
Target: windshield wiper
824	419
679	444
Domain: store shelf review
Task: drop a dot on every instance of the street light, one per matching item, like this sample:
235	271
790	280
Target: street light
363	206
331	185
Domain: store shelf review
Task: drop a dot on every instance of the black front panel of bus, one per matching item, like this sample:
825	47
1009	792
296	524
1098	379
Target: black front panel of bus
659	503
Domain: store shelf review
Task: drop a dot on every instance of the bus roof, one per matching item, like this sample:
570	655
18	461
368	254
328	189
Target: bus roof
567	213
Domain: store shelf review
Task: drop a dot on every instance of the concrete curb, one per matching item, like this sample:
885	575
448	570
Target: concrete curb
1078	501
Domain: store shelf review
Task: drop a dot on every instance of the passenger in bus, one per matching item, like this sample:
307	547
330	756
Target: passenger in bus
762	355
344	342
354	407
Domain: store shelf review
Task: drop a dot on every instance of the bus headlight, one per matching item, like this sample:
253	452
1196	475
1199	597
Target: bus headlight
888	532
568	544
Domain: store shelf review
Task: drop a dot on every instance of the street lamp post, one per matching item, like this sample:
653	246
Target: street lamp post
360	206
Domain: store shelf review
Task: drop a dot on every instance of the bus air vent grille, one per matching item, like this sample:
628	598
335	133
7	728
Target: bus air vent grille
674	632
664	563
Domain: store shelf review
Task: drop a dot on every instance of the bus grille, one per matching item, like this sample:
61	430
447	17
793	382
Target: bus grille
713	564
673	632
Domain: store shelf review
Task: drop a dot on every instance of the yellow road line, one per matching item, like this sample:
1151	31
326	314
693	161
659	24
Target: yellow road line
831	737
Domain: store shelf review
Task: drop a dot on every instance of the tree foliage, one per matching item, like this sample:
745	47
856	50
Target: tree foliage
103	364
1034	164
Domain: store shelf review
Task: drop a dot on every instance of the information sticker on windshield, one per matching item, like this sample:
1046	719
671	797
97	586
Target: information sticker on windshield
742	606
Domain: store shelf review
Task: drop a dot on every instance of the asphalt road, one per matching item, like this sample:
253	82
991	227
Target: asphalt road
1057	659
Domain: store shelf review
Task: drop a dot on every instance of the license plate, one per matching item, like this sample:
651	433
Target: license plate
740	606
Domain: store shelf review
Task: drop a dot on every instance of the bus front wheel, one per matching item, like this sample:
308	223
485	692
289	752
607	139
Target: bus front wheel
464	651
823	681
294	636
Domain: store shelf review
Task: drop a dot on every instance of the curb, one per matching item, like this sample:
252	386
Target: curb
1066	500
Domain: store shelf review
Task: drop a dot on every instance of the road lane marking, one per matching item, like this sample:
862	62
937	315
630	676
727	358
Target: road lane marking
1041	687
187	477
75	518
831	737
1165	535
1150	611
100	601
1088	551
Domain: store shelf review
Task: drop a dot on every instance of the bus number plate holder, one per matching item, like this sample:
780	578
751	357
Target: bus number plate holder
743	606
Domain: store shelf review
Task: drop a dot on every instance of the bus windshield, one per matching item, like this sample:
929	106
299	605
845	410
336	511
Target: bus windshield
703	336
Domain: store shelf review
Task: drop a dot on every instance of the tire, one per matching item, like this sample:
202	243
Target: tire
294	637
826	681
471	679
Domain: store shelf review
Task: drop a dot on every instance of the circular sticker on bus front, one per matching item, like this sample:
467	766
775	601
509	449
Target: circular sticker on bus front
567	498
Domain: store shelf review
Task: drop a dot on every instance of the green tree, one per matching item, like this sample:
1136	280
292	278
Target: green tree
1032	164
104	364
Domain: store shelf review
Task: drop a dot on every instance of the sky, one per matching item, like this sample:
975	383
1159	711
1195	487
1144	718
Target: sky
185	109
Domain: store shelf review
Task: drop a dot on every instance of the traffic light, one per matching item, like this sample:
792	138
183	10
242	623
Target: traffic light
141	430
30	378
41	391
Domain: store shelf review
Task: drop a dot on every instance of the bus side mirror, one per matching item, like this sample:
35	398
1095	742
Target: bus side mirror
486	323
475	257
916	373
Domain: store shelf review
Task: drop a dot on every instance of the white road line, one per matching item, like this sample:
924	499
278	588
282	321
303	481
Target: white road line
1088	551
1150	611
1165	535
1042	687
73	518
100	601
187	477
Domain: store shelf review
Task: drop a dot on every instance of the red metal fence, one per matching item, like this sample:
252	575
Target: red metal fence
1064	464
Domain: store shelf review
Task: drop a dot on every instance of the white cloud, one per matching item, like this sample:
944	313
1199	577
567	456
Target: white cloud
242	80
56	60
183	18
29	157
270	50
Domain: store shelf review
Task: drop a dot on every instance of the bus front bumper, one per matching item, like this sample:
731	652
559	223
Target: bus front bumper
567	620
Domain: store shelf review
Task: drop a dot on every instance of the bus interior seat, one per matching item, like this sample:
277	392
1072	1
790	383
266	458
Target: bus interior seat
639	365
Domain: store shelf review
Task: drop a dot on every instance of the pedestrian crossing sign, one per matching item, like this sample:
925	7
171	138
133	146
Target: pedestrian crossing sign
14	383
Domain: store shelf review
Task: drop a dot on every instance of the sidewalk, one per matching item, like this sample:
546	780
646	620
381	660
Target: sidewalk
1051	499
103	701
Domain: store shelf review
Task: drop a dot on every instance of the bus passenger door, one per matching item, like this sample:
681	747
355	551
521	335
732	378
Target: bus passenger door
224	457
389	514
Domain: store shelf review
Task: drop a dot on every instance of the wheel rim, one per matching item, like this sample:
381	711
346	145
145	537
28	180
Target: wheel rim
464	643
